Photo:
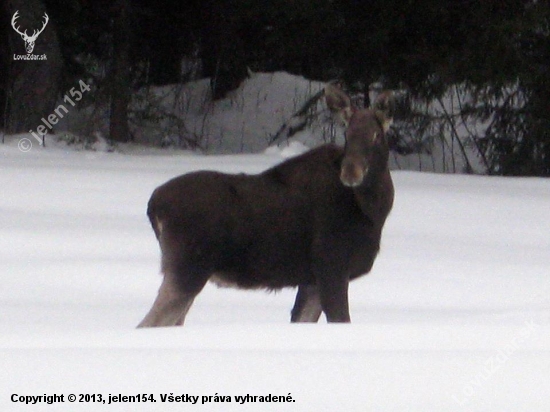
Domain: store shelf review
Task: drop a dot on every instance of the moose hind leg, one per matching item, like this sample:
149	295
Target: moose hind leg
171	304
307	307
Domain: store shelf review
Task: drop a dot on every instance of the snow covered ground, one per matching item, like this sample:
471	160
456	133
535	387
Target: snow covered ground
455	315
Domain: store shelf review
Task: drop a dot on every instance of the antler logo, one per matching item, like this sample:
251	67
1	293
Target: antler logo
29	40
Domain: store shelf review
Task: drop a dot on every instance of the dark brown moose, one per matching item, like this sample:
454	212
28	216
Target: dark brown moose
313	221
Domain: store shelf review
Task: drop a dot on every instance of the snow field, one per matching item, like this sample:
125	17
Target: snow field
453	317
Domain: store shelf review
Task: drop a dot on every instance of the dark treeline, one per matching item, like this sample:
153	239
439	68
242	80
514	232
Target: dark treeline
496	51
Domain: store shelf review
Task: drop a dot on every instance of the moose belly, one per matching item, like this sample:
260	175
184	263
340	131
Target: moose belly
266	275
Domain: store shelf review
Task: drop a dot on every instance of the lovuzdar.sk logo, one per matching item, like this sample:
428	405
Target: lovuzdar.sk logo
29	40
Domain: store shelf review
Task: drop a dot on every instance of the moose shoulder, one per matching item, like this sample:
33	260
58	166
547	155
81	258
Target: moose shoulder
314	222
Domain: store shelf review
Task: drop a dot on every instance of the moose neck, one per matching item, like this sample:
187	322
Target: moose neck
372	195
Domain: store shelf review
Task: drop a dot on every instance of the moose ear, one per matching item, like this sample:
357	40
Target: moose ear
339	103
384	107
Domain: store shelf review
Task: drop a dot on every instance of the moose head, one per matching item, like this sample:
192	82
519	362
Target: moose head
366	151
29	40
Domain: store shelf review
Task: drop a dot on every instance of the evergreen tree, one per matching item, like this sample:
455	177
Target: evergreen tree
495	51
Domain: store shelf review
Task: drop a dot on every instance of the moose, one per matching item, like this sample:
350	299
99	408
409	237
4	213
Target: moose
312	222
29	40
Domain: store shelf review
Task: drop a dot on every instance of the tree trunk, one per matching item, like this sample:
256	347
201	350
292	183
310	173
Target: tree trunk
120	75
222	50
32	85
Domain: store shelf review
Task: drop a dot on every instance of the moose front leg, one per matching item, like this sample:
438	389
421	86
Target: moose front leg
334	298
331	255
307	307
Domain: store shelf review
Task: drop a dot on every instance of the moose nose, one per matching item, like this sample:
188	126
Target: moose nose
352	174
